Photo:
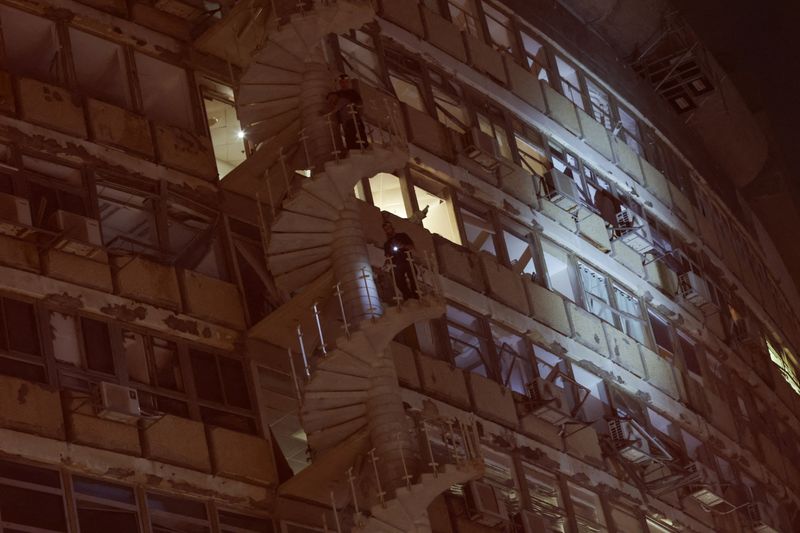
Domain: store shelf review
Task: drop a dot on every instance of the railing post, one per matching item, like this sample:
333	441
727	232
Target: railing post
433	464
304	141
351	478
406	475
303	350
374	461
335	153
315	309
335	514
282	159
354	117
398	298
294	377
345	324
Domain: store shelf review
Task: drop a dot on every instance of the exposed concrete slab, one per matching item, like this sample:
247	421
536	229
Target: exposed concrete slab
77	269
588	329
624	350
592	227
524	84
659	372
51	106
595	134
178	441
443	380
404	13
19	254
242	456
561	109
444	35
548	307
628	160
406	365
212	299
185	151
30	407
504	284
147	281
492	400
112	125
459	264
485	59
627	256
85	427
656	182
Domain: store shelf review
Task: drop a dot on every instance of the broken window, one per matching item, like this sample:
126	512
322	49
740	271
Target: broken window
587	508
128	218
629	315
601	104
479	231
20	350
31	45
408	92
630	130
559	272
570	81
662	334
595	405
544	497
100	68
595	292
520	253
786	362
535	56
448	100
513	351
360	58
152	361
225	130
387	194
31	499
97	345
103	507
66	340
54	187
168	514
493	128
436	199
468	342
195	240
165	92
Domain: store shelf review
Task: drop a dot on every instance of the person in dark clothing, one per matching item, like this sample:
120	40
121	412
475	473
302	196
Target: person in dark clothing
348	109
398	247
609	206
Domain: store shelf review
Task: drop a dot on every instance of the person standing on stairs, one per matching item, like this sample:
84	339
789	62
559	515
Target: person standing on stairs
346	103
398	249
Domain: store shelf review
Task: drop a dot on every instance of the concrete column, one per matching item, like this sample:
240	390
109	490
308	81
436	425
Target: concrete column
350	261
388	426
317	83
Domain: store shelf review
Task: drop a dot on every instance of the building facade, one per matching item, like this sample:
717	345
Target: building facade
200	330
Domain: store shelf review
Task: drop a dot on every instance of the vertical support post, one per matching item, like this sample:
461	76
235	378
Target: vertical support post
406	475
345	325
335	152
315	308
354	117
433	464
374	460
303	350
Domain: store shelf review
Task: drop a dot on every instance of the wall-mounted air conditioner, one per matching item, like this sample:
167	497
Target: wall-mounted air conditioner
486	503
15	216
481	148
706	489
758	514
634	231
116	402
561	189
550	402
694	289
79	235
629	442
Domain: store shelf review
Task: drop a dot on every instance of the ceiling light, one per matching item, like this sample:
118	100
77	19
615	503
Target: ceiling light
240	134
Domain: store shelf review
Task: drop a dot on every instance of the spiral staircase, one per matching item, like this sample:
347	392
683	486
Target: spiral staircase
303	182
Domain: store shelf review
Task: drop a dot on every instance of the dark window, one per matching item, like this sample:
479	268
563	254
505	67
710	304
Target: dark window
38	504
690	355
97	344
661	334
206	376
168	515
240	523
21	331
104	507
234	383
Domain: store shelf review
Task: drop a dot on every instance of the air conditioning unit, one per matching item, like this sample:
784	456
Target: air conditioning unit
15	216
549	401
561	189
486	503
81	235
534	522
706	489
758	515
634	231
116	402
628	441
481	148
694	289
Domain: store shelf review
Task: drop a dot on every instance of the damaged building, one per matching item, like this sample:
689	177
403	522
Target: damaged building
200	330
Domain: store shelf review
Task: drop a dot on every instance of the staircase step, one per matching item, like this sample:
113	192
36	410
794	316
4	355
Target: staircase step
319	420
301	277
289	40
254	94
329	437
275	111
275	130
313	400
291	222
323	188
305	202
258	72
274	54
281	263
291	242
344	363
325	381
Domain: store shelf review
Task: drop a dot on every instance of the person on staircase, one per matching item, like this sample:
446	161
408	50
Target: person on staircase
398	249
347	105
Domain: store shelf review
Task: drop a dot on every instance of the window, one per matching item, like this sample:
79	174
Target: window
227	137
787	363
447	99
570	81
544	497
629	317
559	274
463	15
97	345
601	105
494	129
661	334
30	498
436	198
168	514
220	382
690	356
387	194
100	68
468	342
128	218
513	351
408	92
630	131
165	92
31	45
103	507
531	154
479	231
20	351
237	523
520	253
501	34
195	240
595	289
361	62
535	56
587	508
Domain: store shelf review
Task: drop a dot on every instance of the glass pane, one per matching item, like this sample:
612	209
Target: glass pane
601	108
596	293
520	254
387	194
408	93
661	332
166	365
227	136
23	335
30	44
533	157
499	26
479	232
469	348
66	346
25	507
206	376
462	13
558	269
570	84
234	382
441	216
136	356
101	489
536	56
99	518
631	314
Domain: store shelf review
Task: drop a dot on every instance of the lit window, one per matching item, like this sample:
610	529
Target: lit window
558	269
570	83
535	56
520	254
462	13
479	231
787	363
499	25
516	371
387	194
441	215
227	137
